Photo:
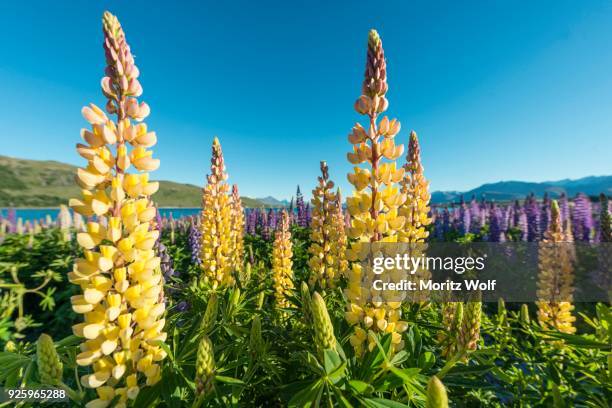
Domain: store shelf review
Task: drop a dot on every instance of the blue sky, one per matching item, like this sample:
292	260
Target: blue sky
496	90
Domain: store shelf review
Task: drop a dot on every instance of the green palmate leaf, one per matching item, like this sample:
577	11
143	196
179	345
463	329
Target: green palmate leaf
148	395
312	363
408	375
343	402
465	370
331	360
400	357
47	302
579	341
361	387
309	396
12	366
229	380
426	360
383	403
171	392
71	340
167	349
338	373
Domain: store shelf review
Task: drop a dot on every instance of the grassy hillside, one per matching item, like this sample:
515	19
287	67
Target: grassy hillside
32	183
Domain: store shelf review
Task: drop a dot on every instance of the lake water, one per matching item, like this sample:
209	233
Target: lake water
41	213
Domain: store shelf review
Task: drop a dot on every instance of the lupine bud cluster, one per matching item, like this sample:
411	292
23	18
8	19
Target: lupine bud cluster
469	331
555	281
306	302
210	315
374	205
205	367
216	251
524	314
256	343
452	317
436	394
122	300
328	260
323	327
282	272
50	367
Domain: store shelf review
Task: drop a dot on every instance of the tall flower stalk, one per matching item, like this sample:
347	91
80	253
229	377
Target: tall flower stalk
374	204
327	250
555	282
415	208
237	230
216	224
415	187
282	265
120	276
604	274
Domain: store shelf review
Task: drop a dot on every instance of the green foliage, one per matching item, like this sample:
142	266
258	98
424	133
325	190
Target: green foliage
260	360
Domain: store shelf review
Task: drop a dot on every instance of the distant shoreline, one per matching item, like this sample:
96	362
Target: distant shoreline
57	208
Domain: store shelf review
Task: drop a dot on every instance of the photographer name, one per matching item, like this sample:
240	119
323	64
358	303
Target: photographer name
430	285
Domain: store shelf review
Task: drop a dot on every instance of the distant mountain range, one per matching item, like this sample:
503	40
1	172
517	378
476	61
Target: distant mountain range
34	183
515	190
273	202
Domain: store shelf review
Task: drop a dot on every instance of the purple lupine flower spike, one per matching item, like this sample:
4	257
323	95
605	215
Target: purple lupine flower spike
301	209
522	224
11	217
167	263
475	218
510	217
308	212
544	215
533	218
290	212
496	233
195	240
517	213
564	209
464	218
582	222
605	219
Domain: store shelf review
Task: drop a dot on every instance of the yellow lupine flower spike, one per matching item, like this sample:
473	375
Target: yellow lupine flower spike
122	300
556	278
415	209
237	230
216	252
282	272
374	205
328	260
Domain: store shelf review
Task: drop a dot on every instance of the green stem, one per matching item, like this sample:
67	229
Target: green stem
72	394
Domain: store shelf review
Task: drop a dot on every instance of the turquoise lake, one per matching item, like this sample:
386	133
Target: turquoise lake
41	213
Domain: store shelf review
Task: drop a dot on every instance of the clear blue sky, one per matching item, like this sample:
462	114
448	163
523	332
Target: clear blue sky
496	90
